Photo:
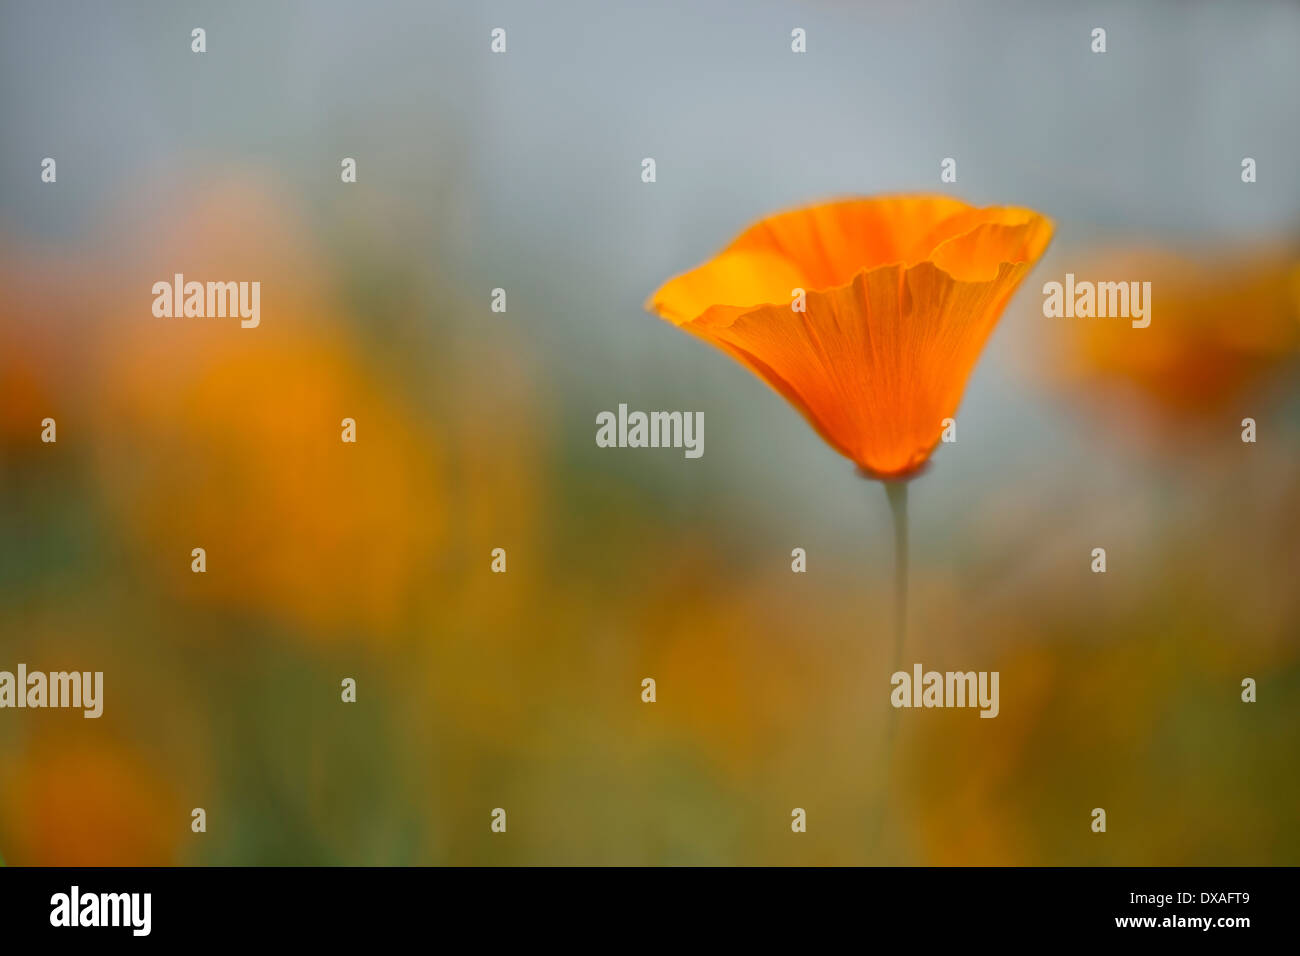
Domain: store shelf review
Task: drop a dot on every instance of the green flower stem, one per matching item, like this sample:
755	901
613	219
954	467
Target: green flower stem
896	492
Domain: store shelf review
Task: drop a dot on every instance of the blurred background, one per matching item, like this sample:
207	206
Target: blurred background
476	431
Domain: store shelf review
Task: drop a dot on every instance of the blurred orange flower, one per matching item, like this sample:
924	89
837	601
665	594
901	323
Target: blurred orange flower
1225	319
210	435
88	802
867	315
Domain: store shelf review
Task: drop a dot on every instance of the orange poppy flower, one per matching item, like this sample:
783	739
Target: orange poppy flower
899	295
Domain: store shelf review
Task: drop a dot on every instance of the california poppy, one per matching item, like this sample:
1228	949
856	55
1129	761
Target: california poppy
898	296
867	315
